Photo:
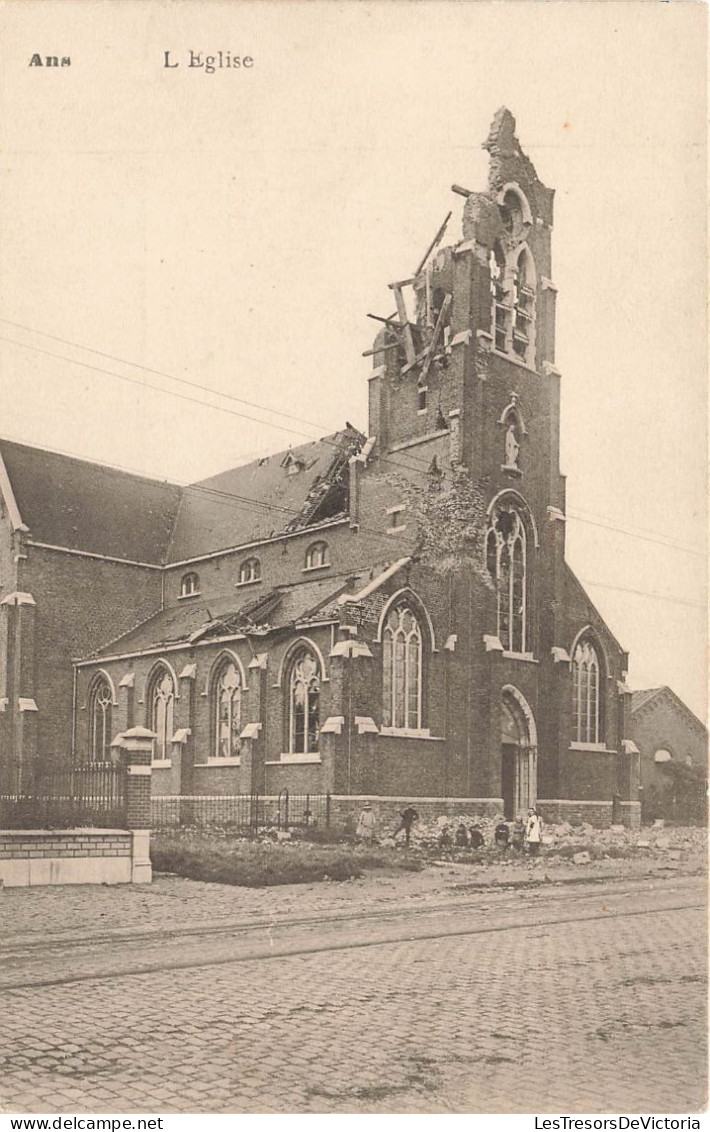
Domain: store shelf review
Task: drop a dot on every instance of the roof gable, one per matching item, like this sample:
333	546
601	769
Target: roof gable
665	696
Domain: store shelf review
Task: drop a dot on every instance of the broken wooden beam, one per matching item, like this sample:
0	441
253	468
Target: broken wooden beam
380	349
461	191
388	321
437	240
409	350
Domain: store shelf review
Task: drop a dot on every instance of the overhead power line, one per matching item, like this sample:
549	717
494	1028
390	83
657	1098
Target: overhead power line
407	460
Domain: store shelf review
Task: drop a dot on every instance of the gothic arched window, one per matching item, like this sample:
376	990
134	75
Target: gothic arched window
586	693
507	563
500	307
303	703
402	669
100	721
161	699
189	585
523	323
317	555
249	571
227	711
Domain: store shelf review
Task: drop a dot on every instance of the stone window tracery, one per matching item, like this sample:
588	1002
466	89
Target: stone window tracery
100	721
586	692
304	703
402	670
227	709
162	710
506	560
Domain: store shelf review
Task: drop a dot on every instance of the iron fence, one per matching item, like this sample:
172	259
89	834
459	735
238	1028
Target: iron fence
61	796
242	813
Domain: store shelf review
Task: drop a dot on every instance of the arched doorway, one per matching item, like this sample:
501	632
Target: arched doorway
518	754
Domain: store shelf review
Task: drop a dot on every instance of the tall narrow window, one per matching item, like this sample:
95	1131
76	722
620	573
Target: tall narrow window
524	308
506	560
500	306
162	700
227	711
304	704
100	721
585	692
402	670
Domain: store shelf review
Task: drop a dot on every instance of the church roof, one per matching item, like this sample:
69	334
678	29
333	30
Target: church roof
80	505
84	506
278	493
276	608
638	699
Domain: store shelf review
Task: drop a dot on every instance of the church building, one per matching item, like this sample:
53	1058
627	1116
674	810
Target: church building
384	614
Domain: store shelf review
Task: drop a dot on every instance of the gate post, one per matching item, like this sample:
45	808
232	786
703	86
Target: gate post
138	747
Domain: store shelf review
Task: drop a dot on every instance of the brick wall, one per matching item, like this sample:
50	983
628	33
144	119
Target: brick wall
345	810
81	604
81	856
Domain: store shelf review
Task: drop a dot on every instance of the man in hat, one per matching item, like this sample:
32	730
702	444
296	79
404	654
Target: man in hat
366	824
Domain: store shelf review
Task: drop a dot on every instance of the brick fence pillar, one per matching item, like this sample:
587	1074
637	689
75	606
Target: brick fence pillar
137	745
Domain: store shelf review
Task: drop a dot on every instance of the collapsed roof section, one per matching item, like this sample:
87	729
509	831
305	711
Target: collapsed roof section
83	506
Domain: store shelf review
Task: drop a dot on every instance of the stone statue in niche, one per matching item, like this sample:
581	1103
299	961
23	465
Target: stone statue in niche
512	446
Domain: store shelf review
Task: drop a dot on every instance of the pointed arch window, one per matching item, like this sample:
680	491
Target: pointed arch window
586	693
501	311
523	322
303	703
162	713
507	563
227	711
402	669
100	721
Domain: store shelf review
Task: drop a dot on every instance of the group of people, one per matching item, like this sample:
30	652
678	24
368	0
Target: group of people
525	836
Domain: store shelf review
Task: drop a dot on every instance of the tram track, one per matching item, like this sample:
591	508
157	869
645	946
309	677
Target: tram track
270	939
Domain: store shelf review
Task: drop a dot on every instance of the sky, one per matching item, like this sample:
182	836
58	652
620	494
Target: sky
234	229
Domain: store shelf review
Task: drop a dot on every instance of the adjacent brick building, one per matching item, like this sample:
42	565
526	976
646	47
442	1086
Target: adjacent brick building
673	746
385	613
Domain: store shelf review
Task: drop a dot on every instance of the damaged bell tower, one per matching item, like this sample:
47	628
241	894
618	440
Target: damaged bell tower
465	365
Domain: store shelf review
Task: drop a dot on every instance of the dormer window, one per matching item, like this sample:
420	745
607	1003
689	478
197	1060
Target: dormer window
189	585
292	464
249	571
317	556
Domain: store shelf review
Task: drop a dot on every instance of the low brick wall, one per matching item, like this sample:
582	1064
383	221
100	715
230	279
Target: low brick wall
345	808
596	813
67	856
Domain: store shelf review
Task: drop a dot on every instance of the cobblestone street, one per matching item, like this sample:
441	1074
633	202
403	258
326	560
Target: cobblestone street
589	1015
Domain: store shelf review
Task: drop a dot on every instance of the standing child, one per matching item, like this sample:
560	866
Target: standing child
533	832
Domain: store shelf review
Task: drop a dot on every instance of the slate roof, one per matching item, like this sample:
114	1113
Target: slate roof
85	506
276	608
261	499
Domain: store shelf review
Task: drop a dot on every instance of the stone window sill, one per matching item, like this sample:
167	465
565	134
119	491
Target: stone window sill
410	733
600	748
186	597
514	359
320	566
289	759
161	764
526	656
220	762
248	582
